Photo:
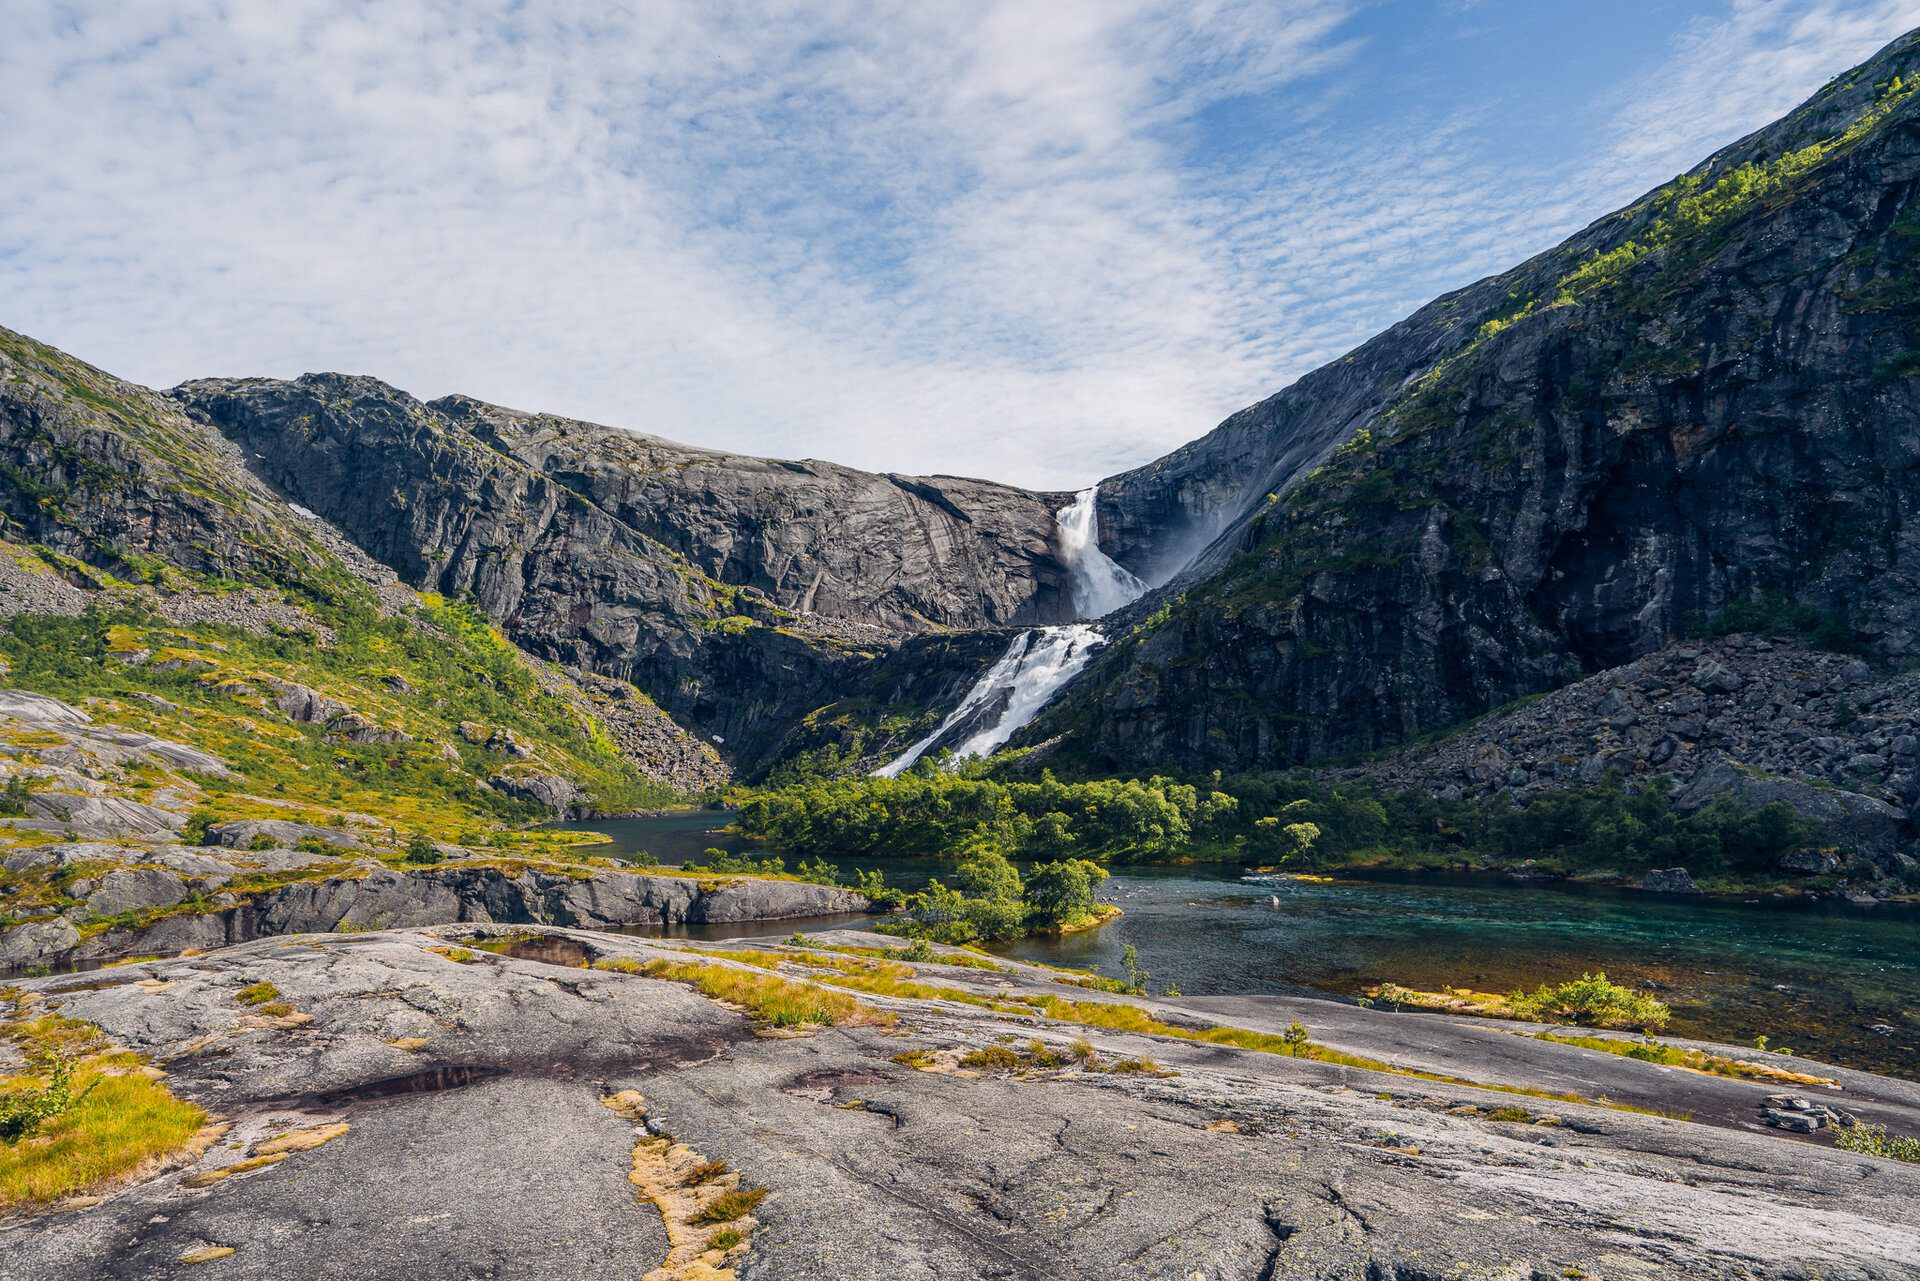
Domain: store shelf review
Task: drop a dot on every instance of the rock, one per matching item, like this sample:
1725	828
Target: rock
308	706
1672	880
876	1170
130	891
1810	862
104	815
245	834
373	896
28	943
549	791
40	710
1714	678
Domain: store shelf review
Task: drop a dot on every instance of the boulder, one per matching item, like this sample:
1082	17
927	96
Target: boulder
1670	880
130	890
244	834
33	942
549	791
300	703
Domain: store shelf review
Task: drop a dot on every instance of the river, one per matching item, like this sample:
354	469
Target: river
1814	977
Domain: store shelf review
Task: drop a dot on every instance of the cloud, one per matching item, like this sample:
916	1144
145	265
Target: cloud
1730	76
910	235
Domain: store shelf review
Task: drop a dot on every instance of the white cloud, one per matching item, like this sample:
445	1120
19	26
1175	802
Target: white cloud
1730	76
907	235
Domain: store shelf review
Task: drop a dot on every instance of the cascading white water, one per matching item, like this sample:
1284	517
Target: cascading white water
1023	681
1037	664
1100	585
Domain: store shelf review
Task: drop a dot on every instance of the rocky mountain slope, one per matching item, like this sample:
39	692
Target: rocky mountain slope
741	592
122	841
146	571
1700	410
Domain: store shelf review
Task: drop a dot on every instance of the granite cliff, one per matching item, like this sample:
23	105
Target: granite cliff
1699	414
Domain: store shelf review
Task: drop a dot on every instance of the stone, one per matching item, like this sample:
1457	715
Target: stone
1672	880
245	834
130	890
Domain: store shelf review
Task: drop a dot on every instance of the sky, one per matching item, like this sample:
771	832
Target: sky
1040	241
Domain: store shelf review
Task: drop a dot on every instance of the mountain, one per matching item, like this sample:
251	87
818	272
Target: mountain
741	592
1699	414
146	572
1696	416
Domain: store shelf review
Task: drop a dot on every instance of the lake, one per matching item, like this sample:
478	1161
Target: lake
1816	977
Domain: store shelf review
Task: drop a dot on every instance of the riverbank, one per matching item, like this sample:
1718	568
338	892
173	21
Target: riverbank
1820	976
956	1122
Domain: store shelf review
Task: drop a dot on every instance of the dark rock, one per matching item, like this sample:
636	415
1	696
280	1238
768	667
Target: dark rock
1671	880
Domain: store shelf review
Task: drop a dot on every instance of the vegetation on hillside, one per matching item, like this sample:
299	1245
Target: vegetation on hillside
410	683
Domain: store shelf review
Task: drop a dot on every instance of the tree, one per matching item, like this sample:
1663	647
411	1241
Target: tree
1275	841
1065	891
988	875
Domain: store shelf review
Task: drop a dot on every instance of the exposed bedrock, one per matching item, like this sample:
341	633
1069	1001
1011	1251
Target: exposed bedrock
373	896
1244	1165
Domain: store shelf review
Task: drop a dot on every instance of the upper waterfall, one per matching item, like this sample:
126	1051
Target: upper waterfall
1100	584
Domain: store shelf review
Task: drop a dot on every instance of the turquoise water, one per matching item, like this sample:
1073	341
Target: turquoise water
1814	977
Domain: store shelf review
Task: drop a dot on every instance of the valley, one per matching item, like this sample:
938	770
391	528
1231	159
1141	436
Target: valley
1204	872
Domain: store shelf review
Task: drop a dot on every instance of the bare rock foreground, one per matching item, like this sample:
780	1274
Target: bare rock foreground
444	1111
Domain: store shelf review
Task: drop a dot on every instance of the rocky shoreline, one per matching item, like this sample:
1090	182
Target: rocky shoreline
967	1125
369	895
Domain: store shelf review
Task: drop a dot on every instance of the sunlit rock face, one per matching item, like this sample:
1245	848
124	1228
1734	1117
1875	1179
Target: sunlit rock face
1700	410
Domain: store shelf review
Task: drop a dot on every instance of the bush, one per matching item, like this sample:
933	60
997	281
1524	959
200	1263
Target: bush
23	1111
14	796
1064	892
1873	1141
1591	1001
421	849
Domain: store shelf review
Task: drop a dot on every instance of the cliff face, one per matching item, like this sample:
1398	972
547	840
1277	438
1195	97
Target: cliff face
1701	409
741	592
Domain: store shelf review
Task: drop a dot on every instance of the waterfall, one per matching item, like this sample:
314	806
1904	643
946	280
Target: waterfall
1036	664
1100	585
1012	692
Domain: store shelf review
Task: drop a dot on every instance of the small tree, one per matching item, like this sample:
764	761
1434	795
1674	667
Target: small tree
1064	891
1130	961
421	849
1278	842
1296	1038
15	795
24	1111
989	875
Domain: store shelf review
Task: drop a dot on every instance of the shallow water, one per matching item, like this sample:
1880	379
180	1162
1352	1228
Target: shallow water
1814	977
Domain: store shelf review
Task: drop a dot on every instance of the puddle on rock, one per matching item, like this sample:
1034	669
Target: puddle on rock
441	1076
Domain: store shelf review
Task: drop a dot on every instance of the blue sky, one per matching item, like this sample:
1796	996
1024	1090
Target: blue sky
1037	241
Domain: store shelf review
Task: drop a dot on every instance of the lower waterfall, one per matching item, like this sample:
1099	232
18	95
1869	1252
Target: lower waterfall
1024	679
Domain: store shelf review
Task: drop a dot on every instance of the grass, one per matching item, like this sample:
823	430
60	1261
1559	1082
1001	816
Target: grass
1691	1060
265	998
768	998
1591	1000
729	1206
125	1116
925	955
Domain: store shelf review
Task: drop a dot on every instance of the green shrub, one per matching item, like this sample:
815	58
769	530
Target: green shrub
22	1112
729	1206
1590	1001
1873	1141
15	795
